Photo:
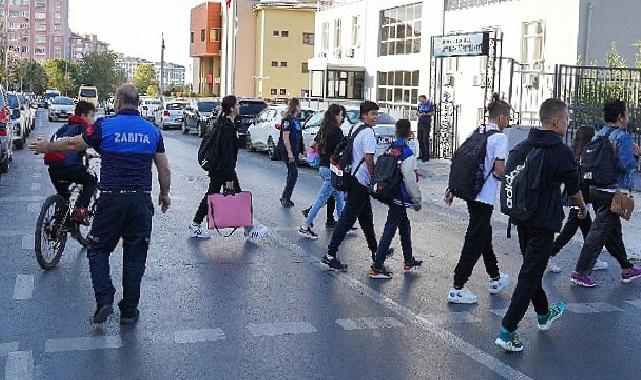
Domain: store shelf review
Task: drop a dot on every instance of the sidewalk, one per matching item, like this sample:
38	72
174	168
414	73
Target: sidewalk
433	183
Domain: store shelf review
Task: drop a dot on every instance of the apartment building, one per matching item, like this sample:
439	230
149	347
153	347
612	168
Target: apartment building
205	47
174	74
80	45
36	29
128	65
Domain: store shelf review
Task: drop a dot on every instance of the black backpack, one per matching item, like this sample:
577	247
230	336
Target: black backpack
599	162
208	152
341	162
387	176
467	172
521	185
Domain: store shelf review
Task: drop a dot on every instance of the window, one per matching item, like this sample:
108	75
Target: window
283	64
345	84
40	4
274	91
325	37
58	52
400	30
192	37
57	39
398	90
283	91
532	45
214	35
40	15
274	64
24	49
337	38
41	39
18	13
284	33
304	68
308	38
58	5
202	35
39	27
57	27
356	31
276	33
58	15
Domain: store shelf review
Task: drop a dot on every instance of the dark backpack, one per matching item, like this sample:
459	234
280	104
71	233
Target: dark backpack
341	162
521	185
387	177
467	172
208	152
599	162
61	159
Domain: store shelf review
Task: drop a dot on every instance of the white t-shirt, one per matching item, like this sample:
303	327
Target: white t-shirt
496	150
364	143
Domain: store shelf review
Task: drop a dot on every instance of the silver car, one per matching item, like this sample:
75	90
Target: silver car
61	108
6	136
170	115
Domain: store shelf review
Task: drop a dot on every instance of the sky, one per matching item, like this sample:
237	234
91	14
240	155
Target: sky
134	27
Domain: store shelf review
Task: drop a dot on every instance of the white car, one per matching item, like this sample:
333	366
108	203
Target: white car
148	106
61	108
170	115
264	132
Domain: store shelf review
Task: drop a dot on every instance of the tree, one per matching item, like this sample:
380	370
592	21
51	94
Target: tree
99	69
62	75
145	76
637	60
614	59
153	90
34	77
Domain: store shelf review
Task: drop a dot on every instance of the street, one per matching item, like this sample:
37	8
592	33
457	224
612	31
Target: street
226	308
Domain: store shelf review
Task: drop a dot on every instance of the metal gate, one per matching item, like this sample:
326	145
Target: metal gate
586	88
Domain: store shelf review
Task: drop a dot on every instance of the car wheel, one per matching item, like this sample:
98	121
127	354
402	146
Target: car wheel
4	167
271	150
50	119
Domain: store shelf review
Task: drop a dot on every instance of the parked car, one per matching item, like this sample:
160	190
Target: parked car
61	108
197	115
26	113
109	105
170	115
249	108
263	134
148	106
16	113
6	135
49	95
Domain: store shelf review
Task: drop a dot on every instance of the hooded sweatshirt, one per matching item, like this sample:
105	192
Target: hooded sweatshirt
409	192
559	167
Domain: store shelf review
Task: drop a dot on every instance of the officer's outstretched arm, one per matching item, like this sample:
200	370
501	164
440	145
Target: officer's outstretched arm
70	144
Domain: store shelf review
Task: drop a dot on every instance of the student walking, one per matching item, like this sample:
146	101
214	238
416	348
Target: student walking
606	227
327	139
292	145
408	196
550	163
478	238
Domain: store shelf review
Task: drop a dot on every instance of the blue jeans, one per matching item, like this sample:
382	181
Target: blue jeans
396	220
292	177
126	216
324	193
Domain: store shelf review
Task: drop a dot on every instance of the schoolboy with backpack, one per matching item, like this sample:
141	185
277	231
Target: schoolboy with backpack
477	167
395	183
531	197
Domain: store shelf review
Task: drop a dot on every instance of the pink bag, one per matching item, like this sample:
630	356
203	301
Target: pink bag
230	211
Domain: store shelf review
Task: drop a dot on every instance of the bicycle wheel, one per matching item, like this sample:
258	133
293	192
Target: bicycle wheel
51	236
82	230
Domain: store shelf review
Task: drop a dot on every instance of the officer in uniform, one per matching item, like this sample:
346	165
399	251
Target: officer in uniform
424	110
128	144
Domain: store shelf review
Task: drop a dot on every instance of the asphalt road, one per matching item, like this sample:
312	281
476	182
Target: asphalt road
225	308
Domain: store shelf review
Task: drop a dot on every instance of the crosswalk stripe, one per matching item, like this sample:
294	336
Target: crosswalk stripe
28	242
23	289
452	317
591	307
280	328
85	343
198	336
5	348
636	303
19	366
369	323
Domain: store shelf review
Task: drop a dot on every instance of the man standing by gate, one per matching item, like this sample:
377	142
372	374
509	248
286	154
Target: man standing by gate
128	144
424	110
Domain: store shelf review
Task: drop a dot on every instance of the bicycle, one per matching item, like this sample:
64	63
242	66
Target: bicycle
55	222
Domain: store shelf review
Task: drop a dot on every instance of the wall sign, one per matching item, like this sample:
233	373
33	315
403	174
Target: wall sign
461	45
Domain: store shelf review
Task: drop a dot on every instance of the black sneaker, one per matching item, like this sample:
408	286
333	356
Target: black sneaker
379	273
390	253
102	313
126	319
413	266
333	263
286	203
330	224
307	232
305	212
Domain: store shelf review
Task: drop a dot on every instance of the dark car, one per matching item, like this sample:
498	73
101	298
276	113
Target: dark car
249	108
197	115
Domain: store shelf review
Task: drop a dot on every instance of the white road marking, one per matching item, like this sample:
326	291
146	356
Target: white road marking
24	287
19	366
36	175
369	323
28	242
22	199
280	328
198	336
5	348
34	207
35	187
84	343
452	317
9	233
636	303
591	307
436	332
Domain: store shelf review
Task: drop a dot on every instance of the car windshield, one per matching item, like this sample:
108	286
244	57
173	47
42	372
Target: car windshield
206	106
13	101
315	120
175	106
62	100
88	93
251	108
49	95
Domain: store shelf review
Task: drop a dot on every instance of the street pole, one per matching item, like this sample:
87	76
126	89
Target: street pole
162	67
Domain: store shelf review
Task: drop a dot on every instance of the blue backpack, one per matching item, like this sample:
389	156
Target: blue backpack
63	159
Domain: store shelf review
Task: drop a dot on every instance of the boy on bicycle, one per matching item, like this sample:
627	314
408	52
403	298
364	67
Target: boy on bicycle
67	168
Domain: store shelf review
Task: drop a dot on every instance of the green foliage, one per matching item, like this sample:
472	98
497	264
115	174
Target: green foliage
153	90
34	77
145	76
62	75
99	69
614	59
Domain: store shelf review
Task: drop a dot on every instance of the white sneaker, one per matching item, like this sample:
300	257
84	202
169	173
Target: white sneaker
497	286
196	232
553	266
258	232
600	265
306	231
462	296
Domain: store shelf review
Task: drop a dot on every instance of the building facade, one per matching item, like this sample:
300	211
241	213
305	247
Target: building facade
205	47
80	45
36	29
128	65
174	75
283	49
